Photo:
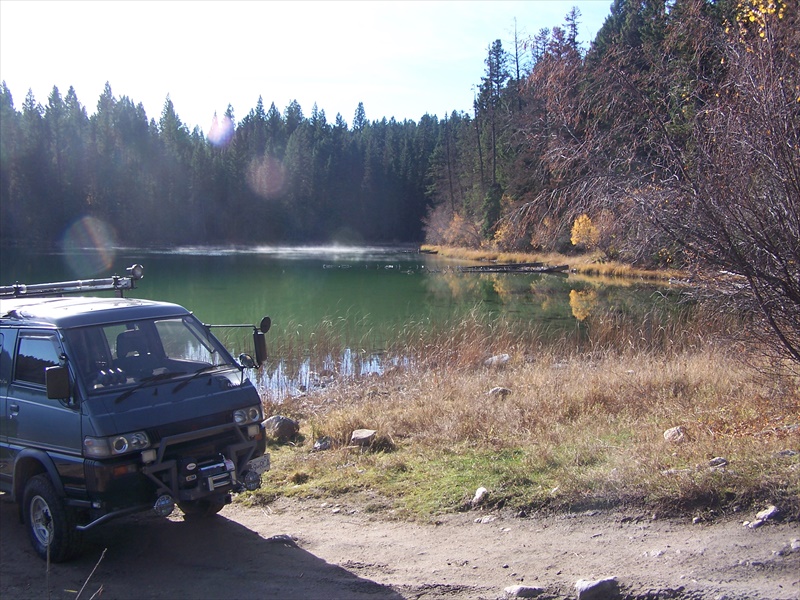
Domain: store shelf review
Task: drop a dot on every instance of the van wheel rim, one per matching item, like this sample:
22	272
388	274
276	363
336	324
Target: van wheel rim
41	520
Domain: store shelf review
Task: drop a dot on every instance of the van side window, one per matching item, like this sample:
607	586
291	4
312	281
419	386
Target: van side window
34	355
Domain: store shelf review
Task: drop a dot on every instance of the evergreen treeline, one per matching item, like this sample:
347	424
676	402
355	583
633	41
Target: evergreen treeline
566	147
274	177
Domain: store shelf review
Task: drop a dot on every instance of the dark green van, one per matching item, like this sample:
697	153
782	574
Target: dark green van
110	406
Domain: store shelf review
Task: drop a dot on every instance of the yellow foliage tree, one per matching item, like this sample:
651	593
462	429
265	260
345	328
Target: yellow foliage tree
755	15
584	232
503	235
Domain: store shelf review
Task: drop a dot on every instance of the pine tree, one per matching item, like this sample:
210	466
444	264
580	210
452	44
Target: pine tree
360	118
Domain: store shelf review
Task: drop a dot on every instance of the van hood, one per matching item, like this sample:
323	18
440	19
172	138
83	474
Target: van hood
162	408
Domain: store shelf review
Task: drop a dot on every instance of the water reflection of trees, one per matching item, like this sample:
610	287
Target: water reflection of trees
543	296
582	303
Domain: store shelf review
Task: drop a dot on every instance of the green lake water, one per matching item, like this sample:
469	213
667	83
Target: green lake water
363	295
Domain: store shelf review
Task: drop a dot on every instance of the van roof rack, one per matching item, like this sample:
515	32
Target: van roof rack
114	283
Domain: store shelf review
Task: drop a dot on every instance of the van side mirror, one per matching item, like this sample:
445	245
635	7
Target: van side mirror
247	361
260	343
265	324
57	382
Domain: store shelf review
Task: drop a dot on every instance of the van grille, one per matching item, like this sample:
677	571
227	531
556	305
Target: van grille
196	423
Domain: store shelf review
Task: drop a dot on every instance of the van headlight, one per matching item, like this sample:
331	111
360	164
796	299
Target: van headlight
245	416
115	445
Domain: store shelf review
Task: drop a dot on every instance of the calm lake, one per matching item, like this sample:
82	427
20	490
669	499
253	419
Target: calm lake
364	295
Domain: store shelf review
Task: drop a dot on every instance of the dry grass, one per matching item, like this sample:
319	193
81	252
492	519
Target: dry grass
589	263
582	425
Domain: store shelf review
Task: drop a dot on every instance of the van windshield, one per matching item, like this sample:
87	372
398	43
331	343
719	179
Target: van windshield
116	355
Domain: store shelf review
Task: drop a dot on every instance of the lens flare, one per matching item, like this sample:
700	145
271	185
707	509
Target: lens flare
89	246
221	131
266	176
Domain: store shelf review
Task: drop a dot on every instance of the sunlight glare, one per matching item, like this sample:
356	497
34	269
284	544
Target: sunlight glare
88	246
266	176
221	131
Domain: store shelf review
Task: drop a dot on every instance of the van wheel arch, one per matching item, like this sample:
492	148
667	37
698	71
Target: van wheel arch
29	464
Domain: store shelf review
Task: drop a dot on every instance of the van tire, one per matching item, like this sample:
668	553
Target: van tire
46	517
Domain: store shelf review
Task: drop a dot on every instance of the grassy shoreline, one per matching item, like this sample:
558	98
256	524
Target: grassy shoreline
589	263
582	424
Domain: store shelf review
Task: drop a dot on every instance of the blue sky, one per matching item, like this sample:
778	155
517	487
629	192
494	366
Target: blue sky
401	59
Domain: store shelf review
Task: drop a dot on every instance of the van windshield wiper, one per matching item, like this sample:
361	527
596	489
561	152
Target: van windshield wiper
146	380
195	375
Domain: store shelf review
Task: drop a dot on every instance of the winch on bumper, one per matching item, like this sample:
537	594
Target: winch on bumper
184	477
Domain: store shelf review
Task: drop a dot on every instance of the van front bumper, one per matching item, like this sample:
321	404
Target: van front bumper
208	463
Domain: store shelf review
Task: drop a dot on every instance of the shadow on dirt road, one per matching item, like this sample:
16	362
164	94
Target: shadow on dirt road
148	557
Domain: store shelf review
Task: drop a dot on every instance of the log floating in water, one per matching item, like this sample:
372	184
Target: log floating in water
516	268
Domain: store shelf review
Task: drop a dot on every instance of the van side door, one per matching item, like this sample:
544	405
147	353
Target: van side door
36	421
6	460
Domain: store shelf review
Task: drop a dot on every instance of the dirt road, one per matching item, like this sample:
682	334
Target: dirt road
309	550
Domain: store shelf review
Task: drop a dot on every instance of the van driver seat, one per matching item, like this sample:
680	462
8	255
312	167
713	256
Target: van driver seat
131	343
